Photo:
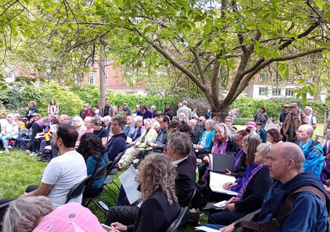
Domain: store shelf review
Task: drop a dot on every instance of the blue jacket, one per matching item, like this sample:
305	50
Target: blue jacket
314	159
209	138
309	212
115	145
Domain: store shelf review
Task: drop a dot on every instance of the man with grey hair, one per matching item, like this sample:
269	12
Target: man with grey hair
127	110
309	212
312	150
182	118
193	124
184	109
86	111
310	117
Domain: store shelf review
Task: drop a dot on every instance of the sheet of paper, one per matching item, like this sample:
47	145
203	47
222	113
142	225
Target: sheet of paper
127	179
206	229
220	204
211	161
217	180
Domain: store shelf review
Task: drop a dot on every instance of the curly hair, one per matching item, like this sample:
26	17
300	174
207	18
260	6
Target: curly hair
275	134
156	172
91	145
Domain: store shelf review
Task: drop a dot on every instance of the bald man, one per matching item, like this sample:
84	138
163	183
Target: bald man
309	212
312	150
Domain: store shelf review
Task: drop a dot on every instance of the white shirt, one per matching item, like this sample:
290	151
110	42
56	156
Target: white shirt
309	119
63	172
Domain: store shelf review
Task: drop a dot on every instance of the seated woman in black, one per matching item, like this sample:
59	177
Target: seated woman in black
223	143
160	205
240	159
93	151
252	193
99	130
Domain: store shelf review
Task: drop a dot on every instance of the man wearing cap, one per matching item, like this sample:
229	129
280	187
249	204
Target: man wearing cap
251	127
292	122
282	118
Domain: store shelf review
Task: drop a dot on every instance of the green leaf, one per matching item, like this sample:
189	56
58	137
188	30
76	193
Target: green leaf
301	15
147	29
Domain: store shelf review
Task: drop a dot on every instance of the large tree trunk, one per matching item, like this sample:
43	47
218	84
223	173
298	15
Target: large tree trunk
102	79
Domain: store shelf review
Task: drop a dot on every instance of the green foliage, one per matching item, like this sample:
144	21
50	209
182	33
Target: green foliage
68	102
248	107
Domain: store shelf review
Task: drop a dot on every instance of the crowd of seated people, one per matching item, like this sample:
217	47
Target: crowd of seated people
167	151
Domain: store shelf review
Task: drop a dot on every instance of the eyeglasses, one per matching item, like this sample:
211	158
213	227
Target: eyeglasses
228	121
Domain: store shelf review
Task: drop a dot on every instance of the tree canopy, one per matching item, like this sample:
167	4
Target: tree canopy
218	45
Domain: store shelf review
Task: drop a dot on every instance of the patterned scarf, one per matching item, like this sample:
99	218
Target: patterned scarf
254	171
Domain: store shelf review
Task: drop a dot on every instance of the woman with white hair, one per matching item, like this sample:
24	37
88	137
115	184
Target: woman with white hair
107	123
88	125
136	132
36	213
148	137
78	124
10	132
206	139
310	117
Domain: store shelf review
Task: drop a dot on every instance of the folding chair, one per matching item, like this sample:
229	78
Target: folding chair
78	189
100	173
110	180
174	227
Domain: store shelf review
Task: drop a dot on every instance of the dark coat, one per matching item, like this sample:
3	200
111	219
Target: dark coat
156	214
81	114
115	145
185	181
255	192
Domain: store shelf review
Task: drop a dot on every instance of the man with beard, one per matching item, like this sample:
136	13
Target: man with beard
62	172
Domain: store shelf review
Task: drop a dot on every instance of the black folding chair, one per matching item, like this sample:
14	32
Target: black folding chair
100	173
109	179
78	189
174	227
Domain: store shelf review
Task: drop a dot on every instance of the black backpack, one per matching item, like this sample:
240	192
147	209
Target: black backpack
201	196
46	155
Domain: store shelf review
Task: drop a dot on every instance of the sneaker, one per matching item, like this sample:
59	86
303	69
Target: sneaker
33	154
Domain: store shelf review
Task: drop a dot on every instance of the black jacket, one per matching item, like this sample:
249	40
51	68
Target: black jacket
197	134
255	192
28	115
156	214
240	168
185	181
115	145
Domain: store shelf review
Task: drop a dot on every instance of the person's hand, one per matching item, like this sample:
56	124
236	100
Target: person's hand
228	172
229	185
118	226
154	146
230	207
25	194
229	228
206	159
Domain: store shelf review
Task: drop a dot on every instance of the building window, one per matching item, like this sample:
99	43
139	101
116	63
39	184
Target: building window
263	77
290	79
289	92
92	78
105	62
276	92
262	91
106	80
78	79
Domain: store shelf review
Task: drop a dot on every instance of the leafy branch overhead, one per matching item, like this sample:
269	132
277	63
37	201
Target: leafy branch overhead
218	45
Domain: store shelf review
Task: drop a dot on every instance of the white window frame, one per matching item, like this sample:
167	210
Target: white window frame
91	74
276	91
262	91
289	92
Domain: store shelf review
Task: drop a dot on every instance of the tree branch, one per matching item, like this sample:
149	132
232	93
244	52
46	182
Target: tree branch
199	66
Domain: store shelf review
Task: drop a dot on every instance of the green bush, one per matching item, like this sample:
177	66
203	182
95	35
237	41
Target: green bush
241	121
68	102
248	107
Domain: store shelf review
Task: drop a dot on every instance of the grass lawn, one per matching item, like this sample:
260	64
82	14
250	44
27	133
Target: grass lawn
19	171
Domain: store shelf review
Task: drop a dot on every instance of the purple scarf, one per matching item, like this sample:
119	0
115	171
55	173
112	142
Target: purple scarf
219	147
254	171
238	158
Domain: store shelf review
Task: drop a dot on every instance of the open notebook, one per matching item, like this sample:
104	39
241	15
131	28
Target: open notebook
217	180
